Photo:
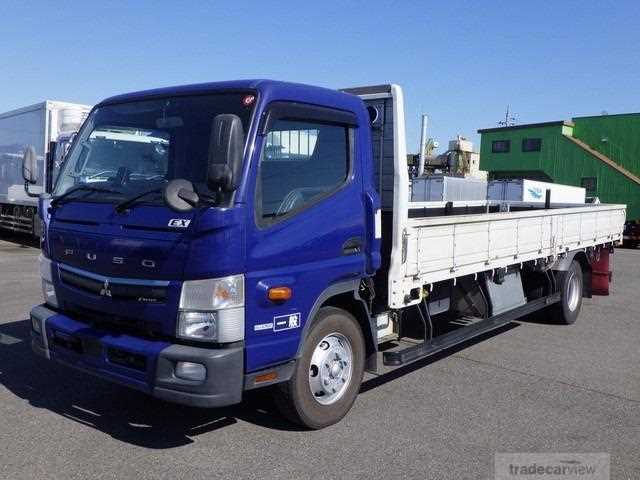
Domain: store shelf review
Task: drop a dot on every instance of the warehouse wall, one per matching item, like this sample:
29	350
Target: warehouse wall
535	163
573	164
560	160
622	133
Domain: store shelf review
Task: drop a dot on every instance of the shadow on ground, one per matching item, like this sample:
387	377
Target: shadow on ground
131	416
122	413
380	380
21	239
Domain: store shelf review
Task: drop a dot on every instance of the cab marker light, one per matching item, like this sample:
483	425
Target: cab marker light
279	294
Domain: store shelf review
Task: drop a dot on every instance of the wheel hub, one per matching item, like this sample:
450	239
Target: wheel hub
573	292
336	369
331	368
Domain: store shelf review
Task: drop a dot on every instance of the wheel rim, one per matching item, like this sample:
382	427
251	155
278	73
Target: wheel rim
573	292
331	368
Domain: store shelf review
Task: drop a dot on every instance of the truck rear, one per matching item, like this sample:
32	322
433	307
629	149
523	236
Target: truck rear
210	239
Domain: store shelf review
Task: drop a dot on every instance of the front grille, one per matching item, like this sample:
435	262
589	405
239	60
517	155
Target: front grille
115	324
126	319
118	289
17	217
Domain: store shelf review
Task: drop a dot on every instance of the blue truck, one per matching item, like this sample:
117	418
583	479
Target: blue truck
205	240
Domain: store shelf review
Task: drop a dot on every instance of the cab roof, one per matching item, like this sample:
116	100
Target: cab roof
268	89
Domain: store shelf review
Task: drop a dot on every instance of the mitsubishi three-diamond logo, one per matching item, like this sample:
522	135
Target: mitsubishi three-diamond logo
106	290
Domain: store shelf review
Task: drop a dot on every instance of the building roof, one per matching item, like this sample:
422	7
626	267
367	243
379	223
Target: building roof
604	115
528	125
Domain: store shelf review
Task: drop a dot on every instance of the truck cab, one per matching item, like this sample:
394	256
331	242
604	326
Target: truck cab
194	233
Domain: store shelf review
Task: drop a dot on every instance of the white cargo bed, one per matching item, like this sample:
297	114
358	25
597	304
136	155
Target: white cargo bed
441	248
427	250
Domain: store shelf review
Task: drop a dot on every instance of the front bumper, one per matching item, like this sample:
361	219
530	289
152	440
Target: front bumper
146	365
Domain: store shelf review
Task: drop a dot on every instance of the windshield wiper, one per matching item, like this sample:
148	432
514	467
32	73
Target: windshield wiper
80	188
126	203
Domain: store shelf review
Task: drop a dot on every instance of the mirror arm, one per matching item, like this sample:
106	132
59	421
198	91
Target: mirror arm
28	192
219	194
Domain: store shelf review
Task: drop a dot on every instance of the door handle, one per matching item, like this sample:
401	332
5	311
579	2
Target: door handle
352	246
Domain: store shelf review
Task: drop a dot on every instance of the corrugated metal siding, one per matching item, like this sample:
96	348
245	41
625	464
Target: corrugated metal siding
622	134
613	187
562	161
516	159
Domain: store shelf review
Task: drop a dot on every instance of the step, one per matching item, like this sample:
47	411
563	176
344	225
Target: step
476	327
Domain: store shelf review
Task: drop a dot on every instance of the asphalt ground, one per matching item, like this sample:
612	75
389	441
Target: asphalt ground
528	387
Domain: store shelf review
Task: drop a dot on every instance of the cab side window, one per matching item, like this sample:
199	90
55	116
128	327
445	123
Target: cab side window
301	163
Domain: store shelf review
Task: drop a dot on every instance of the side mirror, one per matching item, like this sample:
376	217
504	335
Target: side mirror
226	146
30	165
30	169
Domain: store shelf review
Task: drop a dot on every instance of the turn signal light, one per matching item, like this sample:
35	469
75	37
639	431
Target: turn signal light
279	294
266	377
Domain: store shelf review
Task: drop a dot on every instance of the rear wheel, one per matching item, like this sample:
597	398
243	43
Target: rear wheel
328	375
571	286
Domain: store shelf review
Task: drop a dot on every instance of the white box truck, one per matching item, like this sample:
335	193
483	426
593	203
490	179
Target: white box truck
49	127
533	191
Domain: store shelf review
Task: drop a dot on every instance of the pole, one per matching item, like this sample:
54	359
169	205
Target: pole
423	145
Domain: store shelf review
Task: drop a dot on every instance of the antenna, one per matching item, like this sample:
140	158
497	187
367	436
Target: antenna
509	119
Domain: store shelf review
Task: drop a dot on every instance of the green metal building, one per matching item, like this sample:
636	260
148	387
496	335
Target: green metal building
600	153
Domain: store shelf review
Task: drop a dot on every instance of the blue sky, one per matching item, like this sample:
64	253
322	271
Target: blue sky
459	62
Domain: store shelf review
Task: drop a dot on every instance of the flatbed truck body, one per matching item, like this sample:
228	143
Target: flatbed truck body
205	240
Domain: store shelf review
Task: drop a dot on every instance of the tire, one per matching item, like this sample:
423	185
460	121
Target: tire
322	390
567	310
631	244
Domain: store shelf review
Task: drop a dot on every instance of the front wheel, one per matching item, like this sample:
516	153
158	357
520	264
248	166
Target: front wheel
328	374
571	286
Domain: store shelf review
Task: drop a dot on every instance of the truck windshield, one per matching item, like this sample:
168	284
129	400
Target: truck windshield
133	147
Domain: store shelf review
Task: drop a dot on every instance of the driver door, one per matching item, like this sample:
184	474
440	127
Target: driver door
308	230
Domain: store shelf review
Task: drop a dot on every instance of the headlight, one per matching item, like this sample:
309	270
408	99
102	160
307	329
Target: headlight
212	309
35	324
200	325
49	293
48	290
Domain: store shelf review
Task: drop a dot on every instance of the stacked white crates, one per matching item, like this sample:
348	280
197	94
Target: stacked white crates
533	191
444	188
